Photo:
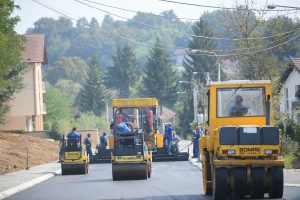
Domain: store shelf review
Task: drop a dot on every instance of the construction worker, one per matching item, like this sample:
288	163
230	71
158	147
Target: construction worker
168	138
121	126
175	140
103	141
73	134
88	145
61	148
238	109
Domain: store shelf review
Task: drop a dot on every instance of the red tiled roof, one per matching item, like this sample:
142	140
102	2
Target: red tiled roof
34	49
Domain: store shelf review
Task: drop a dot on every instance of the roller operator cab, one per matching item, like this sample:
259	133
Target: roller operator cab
75	160
241	153
132	136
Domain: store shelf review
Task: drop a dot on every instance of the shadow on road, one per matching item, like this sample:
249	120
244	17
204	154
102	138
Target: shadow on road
170	197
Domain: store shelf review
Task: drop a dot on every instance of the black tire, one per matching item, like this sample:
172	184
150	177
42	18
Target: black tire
276	182
220	183
149	171
208	190
257	183
239	183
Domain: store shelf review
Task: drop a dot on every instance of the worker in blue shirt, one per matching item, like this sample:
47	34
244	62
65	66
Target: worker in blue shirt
238	109
168	138
121	126
73	134
196	135
88	145
103	141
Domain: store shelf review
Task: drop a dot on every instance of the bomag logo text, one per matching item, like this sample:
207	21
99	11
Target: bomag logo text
249	150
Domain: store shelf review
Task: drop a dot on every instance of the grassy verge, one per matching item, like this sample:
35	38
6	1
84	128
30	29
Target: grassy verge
288	161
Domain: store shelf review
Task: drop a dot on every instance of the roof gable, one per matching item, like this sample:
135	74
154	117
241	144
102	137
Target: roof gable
34	49
294	64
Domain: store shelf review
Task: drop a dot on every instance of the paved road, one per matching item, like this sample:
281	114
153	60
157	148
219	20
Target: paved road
170	180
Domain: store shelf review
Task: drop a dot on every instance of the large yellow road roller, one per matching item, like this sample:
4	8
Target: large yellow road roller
241	155
131	158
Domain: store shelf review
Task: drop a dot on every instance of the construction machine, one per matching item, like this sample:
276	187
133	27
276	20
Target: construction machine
74	160
131	157
103	152
241	155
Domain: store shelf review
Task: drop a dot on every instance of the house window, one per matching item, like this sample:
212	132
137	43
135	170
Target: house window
286	99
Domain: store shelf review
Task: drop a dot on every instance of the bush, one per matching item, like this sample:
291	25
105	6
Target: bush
288	160
289	146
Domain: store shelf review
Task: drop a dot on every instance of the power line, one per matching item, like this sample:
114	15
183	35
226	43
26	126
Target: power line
213	54
226	8
180	18
182	33
206	53
135	11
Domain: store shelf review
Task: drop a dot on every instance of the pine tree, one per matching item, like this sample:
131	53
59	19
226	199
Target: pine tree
93	93
124	72
200	63
11	69
160	77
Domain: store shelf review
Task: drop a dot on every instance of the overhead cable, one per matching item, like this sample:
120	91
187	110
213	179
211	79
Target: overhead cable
226	8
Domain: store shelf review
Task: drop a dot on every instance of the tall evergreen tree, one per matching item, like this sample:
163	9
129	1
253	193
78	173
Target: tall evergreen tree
10	56
93	93
200	63
160	77
124	72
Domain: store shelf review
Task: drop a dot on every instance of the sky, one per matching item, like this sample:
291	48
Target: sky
30	11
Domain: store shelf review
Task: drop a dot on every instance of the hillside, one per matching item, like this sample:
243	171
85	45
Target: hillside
13	150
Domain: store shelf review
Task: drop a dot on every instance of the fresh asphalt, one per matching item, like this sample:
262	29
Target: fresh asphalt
170	180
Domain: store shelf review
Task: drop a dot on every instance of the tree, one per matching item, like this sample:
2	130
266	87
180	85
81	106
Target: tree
11	47
93	93
160	77
200	63
124	72
67	68
59	114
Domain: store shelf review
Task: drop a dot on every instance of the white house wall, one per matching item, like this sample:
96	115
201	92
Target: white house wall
291	82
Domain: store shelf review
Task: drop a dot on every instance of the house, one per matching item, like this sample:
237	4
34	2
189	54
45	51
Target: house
27	107
290	90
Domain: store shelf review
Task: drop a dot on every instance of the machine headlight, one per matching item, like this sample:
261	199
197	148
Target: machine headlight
231	152
268	152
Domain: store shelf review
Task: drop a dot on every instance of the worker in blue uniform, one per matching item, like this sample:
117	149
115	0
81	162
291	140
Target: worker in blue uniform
103	141
88	145
168	137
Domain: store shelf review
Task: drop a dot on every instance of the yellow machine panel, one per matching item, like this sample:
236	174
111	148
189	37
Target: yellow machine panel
135	102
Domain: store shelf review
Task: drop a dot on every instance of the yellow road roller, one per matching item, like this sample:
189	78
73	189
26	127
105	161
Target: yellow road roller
75	160
241	155
131	158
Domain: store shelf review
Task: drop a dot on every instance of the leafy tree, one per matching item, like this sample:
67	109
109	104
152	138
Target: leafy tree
59	117
160	77
89	120
11	67
69	87
93	93
200	63
67	68
124	72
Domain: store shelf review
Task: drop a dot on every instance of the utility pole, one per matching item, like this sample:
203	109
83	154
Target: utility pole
219	71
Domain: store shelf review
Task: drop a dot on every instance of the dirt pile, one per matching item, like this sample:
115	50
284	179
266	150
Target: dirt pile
15	148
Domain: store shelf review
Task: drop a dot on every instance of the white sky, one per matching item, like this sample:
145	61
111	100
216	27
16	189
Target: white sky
31	11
